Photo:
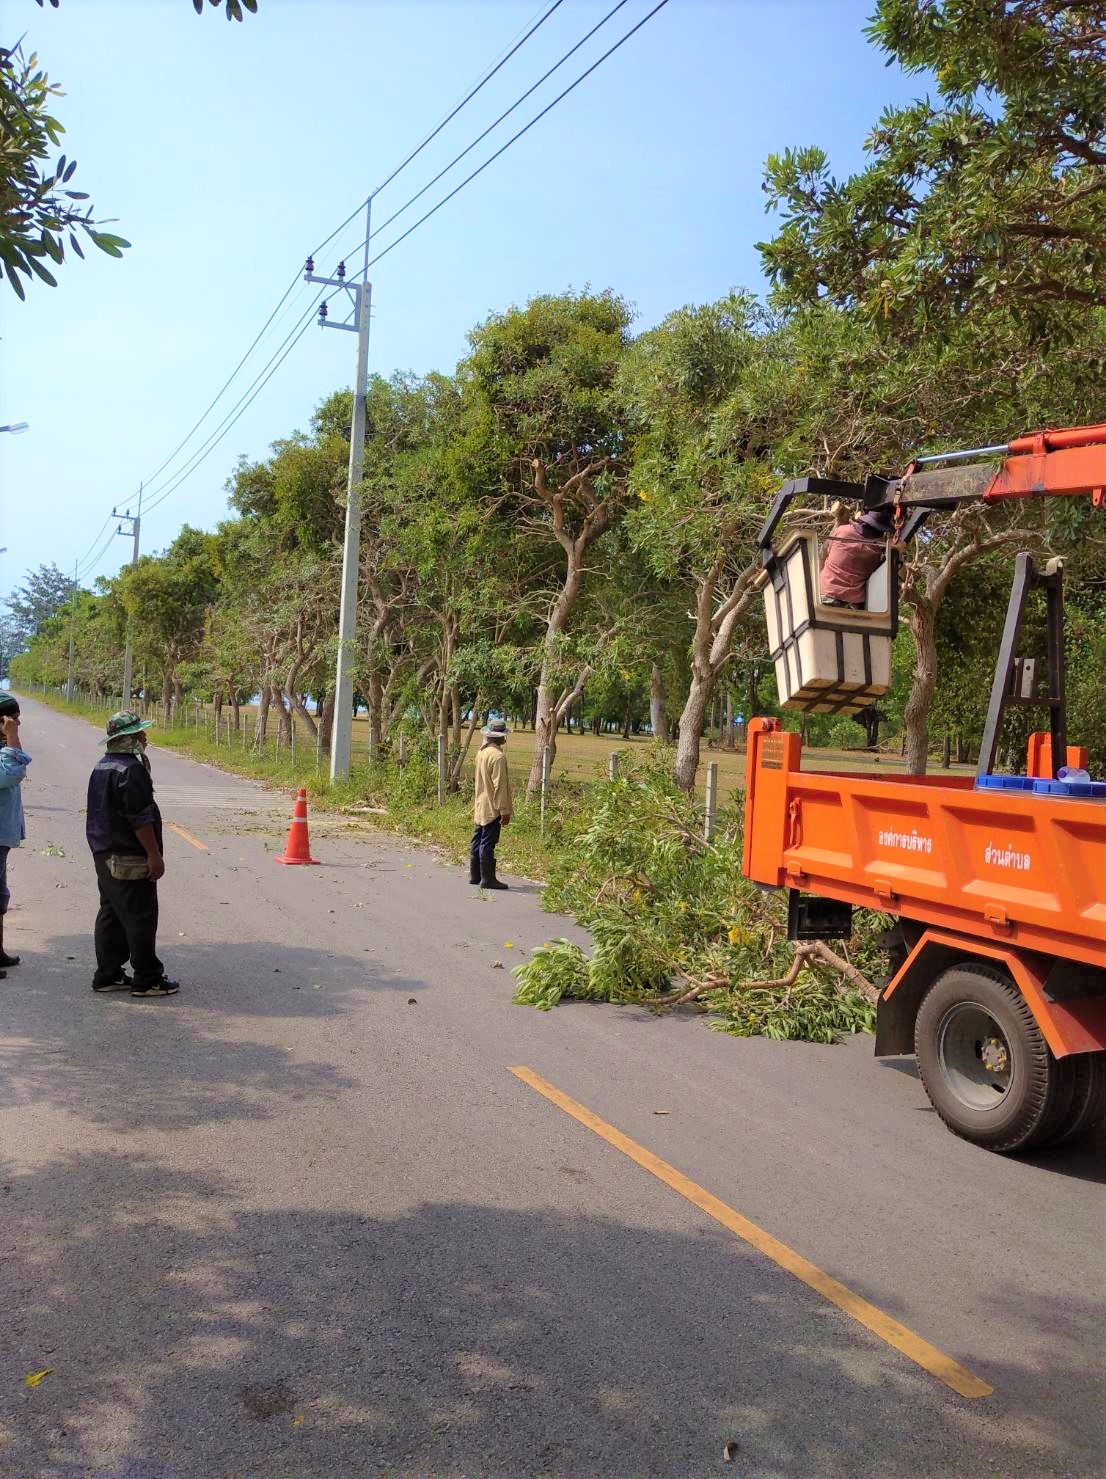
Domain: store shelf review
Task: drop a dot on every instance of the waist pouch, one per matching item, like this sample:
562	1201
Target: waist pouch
129	869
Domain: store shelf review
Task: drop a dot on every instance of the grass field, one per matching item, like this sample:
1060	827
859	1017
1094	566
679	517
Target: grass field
585	757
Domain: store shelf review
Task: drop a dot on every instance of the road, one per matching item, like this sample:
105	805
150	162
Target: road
302	1220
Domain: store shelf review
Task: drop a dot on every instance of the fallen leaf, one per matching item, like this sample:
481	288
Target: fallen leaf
662	1111
297	1422
36	1378
729	1453
497	965
412	1001
508	945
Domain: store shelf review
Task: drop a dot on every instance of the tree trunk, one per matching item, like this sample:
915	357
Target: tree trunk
657	698
727	720
326	721
376	713
545	715
922	621
691	728
261	726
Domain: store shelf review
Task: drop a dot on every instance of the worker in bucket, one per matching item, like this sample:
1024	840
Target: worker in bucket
854	552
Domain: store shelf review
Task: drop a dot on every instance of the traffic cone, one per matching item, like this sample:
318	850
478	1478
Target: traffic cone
298	849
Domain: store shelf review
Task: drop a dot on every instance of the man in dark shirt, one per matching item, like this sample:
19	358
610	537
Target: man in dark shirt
123	827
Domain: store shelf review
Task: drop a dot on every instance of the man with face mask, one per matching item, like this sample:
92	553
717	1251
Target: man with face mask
123	827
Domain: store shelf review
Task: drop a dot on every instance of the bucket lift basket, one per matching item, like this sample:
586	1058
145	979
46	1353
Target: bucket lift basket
828	659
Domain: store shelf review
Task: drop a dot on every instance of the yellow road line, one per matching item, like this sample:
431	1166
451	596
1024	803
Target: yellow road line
195	841
943	1367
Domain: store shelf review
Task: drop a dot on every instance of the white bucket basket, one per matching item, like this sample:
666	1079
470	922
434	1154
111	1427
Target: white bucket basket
828	660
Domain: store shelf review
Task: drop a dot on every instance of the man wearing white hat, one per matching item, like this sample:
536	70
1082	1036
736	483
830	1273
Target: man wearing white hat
492	810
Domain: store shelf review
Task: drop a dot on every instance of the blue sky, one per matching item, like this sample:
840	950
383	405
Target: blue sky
227	152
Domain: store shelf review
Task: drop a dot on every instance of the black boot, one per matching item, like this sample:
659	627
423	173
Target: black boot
487	874
5	959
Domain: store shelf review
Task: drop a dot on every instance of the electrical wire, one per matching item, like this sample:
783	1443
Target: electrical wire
484	80
470	95
90	562
492	126
514	139
95	539
151	494
281	354
291	341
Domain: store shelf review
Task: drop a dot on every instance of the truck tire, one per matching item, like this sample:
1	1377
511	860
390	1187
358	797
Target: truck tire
983	1062
1087	1105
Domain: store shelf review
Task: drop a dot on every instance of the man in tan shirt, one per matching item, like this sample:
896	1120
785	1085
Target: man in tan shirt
492	810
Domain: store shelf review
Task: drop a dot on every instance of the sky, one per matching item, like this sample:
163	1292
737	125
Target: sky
226	152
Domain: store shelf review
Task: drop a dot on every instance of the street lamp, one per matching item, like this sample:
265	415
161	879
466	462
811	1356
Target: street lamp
15	427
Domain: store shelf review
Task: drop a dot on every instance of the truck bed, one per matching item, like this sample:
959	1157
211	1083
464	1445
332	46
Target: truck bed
1019	869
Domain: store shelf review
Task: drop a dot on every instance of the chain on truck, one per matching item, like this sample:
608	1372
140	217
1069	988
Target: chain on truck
996	884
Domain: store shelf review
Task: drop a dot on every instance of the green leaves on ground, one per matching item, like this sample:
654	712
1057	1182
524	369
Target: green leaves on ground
673	916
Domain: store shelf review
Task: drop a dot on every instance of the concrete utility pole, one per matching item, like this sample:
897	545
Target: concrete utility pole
72	634
128	654
360	295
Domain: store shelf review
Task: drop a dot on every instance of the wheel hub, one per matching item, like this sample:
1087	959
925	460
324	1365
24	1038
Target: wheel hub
994	1055
975	1057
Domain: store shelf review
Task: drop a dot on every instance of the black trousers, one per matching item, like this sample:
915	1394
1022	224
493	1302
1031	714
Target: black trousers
126	927
482	851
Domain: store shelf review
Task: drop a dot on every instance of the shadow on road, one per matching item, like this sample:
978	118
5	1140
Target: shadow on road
188	1336
180	1061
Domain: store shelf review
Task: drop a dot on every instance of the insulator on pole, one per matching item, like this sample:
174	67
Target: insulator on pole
341	270
322	314
309	265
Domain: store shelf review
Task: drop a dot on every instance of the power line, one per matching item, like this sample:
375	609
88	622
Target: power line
470	95
492	126
515	137
176	479
95	538
87	565
485	79
291	341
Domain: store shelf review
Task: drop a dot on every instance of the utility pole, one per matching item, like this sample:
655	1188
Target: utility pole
135	521
72	634
360	295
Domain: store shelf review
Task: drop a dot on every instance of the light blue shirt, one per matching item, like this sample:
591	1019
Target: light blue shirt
13	767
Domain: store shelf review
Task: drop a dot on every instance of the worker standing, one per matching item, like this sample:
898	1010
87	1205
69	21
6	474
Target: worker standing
493	804
123	826
13	767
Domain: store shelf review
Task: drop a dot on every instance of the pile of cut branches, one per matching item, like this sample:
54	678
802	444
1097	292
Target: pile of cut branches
676	924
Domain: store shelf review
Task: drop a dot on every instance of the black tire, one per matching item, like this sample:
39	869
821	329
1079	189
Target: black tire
984	1063
1087	1105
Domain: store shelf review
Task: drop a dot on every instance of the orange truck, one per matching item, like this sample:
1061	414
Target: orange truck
995	885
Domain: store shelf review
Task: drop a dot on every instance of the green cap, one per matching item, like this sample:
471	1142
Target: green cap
125	722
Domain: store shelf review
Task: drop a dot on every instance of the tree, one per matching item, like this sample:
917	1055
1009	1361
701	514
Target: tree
44	592
714	394
541	390
993	197
38	212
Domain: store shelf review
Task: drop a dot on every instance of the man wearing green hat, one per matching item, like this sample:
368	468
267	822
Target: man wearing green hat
123	827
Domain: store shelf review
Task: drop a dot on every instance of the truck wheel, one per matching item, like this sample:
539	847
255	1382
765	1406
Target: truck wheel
983	1061
1087	1104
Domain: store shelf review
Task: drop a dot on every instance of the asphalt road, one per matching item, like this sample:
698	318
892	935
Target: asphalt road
301	1220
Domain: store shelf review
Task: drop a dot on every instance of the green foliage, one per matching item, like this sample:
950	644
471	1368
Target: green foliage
812	1010
991	198
556	971
669	912
39	213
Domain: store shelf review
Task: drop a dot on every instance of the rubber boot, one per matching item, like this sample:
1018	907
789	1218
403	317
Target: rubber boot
5	960
487	874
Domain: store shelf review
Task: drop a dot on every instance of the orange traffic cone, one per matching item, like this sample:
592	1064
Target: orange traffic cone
298	849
